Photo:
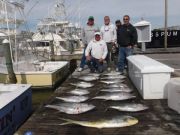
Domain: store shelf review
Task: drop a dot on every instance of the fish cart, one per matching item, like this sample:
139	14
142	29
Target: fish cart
15	106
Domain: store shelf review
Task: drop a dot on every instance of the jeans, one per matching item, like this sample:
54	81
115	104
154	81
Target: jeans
109	55
83	59
95	65
124	52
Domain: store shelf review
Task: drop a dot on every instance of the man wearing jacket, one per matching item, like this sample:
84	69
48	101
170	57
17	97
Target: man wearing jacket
96	53
87	36
126	39
108	32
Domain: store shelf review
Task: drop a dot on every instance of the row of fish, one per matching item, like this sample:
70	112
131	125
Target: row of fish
78	108
115	90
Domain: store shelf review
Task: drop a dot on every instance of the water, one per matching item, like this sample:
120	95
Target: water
40	96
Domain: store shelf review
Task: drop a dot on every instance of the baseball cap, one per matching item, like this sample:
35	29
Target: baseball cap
91	18
97	33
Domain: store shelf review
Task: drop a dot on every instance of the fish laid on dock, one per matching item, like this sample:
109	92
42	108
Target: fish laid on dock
112	81
116	96
79	92
72	108
74	99
113	73
117	90
114	77
130	107
117	86
114	122
95	74
88	78
83	84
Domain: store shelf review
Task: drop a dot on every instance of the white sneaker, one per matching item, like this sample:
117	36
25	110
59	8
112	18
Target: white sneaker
80	69
117	70
109	69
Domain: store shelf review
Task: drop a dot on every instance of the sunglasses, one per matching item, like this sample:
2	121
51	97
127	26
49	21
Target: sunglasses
126	19
97	35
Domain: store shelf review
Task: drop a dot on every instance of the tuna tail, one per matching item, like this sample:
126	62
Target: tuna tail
95	97
51	106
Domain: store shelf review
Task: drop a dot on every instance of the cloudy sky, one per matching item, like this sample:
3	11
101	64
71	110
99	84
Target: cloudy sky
150	10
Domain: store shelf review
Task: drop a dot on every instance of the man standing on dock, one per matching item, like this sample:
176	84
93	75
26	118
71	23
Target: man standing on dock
108	32
87	36
96	53
126	39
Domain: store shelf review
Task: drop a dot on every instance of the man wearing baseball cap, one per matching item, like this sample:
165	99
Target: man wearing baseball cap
96	53
87	36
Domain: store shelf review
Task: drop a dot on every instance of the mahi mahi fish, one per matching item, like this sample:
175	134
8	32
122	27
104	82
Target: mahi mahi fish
117	90
83	84
130	107
75	99
116	96
114	122
79	92
72	108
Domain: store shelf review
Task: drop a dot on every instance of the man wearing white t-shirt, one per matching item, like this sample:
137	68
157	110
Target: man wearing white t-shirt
108	32
96	53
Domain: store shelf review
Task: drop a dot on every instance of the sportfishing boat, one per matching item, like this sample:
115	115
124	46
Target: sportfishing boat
65	35
22	57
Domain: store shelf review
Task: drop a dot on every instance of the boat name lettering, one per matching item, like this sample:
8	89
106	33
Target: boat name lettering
162	33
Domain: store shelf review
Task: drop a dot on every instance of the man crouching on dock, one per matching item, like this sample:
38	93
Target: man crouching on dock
96	53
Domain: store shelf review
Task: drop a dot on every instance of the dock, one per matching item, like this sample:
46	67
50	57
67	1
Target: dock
159	119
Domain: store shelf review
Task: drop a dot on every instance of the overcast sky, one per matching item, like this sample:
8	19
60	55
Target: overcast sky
150	10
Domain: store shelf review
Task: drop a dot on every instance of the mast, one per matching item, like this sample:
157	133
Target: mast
165	24
7	24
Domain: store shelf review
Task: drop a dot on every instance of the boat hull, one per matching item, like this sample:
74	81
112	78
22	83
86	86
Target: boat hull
39	79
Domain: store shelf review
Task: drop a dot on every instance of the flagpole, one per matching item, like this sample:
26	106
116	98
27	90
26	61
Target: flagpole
165	24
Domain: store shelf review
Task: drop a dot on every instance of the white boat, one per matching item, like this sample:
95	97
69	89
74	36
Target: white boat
38	74
26	61
15	106
65	36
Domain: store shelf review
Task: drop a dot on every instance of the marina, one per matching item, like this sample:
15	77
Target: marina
45	90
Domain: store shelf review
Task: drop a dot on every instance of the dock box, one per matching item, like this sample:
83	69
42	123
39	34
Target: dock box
15	106
174	94
149	76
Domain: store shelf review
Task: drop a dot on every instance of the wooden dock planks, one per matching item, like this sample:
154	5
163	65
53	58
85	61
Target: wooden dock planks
158	120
